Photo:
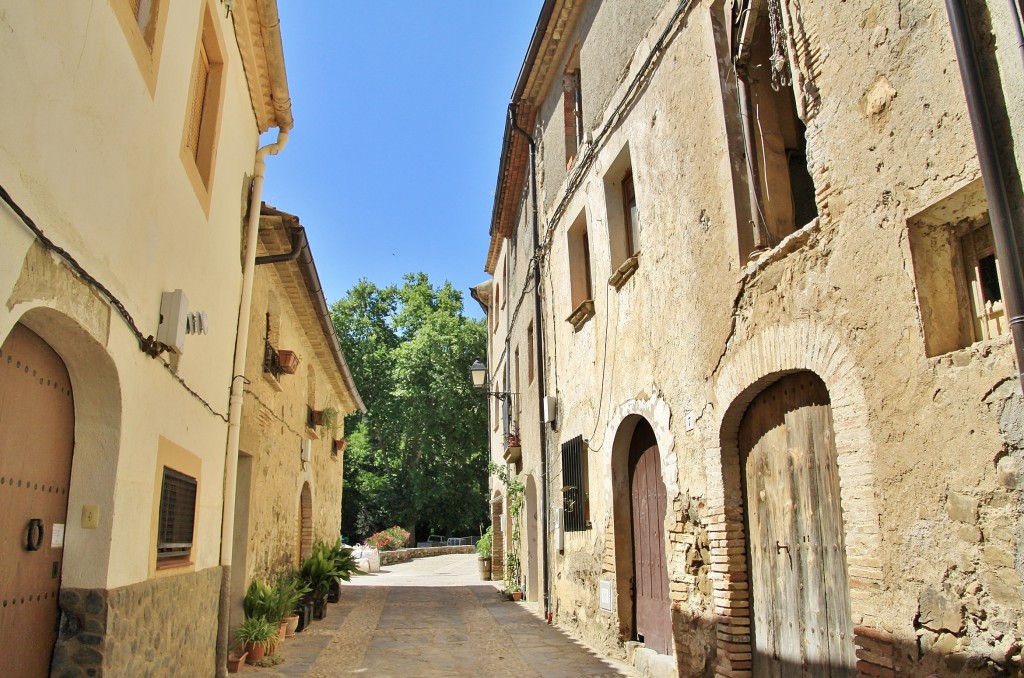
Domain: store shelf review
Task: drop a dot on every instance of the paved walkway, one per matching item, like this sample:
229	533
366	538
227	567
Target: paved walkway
433	617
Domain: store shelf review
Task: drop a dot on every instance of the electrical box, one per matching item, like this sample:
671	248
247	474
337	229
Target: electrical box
173	320
550	409
307	451
605	595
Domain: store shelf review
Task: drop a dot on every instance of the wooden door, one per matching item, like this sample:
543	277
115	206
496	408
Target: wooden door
802	621
647	498
37	423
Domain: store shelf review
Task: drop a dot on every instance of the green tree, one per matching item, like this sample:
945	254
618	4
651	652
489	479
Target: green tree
417	458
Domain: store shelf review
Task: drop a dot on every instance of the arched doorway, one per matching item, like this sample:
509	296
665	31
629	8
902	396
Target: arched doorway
305	541
647	503
532	546
37	425
794	526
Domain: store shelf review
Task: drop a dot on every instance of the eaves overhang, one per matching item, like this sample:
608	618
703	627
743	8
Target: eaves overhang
258	34
557	21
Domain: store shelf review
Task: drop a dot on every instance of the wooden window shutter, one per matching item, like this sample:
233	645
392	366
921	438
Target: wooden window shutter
197	99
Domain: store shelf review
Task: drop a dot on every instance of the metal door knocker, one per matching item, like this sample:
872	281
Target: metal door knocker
35	527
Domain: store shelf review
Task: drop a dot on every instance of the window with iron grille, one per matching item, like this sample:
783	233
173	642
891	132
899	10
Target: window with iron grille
575	486
177	517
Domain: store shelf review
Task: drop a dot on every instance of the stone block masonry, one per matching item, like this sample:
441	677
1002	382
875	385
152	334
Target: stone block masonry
140	630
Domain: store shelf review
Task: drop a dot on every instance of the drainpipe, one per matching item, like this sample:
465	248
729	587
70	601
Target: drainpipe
1015	13
540	354
992	174
227	533
298	238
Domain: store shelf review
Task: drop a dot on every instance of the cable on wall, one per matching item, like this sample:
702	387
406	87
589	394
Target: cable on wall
147	344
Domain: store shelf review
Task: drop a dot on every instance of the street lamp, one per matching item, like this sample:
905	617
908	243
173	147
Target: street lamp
479	373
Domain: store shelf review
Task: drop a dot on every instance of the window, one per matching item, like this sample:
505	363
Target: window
623	219
572	106
202	113
956	272
575	486
529	353
142	22
580	282
176	519
774	133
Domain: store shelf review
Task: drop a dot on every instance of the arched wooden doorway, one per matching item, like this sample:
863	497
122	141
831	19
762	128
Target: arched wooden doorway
802	622
651	602
305	523
37	426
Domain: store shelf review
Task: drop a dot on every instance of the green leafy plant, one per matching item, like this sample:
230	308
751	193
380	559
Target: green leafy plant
329	418
318	572
289	588
258	631
515	493
483	546
261	600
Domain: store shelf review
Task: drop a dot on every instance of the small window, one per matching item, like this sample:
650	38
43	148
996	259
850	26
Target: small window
580	281
529	353
956	272
623	219
575	486
572	105
177	518
145	13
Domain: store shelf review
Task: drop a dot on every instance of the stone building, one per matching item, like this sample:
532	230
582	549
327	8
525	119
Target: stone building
748	313
129	164
298	391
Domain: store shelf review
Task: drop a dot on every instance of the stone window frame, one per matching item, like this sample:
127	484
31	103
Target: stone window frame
947	242
204	105
145	37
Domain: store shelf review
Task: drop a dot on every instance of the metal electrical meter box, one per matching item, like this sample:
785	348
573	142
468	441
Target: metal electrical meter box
173	320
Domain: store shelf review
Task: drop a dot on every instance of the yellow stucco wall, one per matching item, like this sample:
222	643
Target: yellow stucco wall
92	153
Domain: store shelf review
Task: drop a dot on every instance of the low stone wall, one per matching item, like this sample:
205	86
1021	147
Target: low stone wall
144	629
405	555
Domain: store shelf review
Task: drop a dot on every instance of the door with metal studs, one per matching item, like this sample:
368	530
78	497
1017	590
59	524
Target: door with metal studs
37	423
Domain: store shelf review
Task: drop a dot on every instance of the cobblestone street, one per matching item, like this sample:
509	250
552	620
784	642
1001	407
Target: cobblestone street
433	617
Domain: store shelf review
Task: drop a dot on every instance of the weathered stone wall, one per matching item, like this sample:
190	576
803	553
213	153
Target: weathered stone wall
929	448
405	555
140	630
273	430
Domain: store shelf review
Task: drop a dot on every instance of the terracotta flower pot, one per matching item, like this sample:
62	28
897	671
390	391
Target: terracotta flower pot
255	652
291	623
517	595
282	630
235	661
288	360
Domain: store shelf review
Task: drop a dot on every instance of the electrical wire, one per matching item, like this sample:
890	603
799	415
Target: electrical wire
147	344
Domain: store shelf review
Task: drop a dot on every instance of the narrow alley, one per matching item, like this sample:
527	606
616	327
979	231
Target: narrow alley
434	617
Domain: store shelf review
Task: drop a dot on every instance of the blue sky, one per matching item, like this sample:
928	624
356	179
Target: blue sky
399	113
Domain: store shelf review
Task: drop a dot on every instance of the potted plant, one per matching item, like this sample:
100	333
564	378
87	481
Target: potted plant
288	360
258	636
261	601
344	566
513	445
483	552
290	591
235	659
317	573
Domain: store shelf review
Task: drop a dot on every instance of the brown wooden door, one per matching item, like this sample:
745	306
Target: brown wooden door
37	422
802	621
647	498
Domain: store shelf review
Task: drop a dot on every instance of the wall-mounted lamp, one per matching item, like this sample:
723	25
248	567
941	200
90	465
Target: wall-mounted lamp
479	373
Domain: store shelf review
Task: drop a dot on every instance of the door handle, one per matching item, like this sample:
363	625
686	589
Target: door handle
35	526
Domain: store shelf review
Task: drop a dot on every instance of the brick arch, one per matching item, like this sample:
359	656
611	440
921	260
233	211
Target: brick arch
305	523
749	369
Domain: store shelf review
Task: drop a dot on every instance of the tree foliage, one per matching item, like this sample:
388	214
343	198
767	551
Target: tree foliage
418	456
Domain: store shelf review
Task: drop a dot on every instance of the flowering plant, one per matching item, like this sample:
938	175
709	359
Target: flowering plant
512	437
390	539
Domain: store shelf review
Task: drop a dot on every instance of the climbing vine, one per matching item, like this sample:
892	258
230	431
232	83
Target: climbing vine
514	492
